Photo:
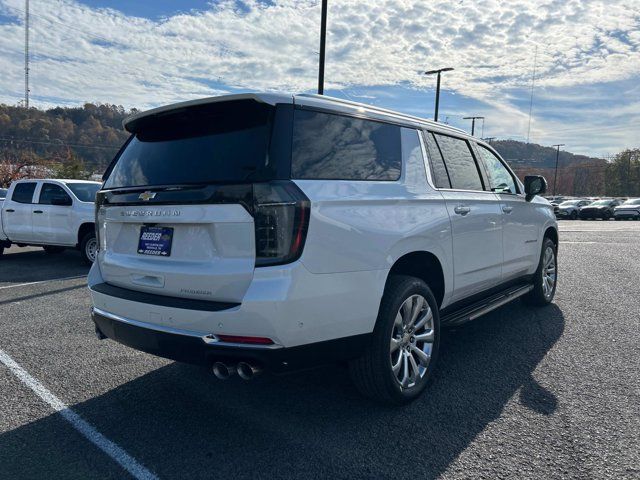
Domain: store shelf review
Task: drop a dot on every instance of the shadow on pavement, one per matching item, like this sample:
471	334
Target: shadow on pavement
37	265
182	423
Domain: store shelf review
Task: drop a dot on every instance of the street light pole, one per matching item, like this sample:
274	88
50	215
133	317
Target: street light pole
555	177
473	123
323	41
438	72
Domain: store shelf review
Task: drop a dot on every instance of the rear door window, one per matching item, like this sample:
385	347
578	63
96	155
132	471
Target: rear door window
336	147
461	166
23	193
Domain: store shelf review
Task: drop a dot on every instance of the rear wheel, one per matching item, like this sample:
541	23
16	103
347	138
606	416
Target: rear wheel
574	215
606	215
397	365
546	276
89	247
50	249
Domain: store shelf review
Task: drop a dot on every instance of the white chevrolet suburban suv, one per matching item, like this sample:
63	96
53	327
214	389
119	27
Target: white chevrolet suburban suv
276	232
52	213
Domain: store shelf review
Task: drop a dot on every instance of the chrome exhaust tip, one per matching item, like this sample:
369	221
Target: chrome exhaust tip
222	371
246	371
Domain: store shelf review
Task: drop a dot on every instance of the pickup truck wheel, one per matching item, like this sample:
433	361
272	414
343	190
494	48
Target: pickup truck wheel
546	276
50	249
89	247
398	362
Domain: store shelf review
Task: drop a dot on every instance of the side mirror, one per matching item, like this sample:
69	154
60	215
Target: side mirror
534	185
61	201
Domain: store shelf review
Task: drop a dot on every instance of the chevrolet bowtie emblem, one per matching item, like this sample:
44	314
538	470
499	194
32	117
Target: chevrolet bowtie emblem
146	196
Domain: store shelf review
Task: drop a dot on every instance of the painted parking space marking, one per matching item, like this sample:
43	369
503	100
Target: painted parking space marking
43	281
110	448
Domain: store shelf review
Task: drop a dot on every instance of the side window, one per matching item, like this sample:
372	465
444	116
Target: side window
335	147
412	158
438	168
52	194
500	179
462	167
23	193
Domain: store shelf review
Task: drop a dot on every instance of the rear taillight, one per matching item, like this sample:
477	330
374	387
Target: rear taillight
281	218
101	227
245	339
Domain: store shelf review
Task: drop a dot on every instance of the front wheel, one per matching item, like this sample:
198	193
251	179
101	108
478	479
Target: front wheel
546	276
89	247
400	358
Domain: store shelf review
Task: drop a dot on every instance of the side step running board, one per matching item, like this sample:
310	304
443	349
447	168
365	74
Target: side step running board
485	306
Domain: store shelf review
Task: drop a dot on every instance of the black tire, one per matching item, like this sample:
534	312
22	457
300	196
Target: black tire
574	215
537	297
51	249
373	373
84	245
606	216
1	251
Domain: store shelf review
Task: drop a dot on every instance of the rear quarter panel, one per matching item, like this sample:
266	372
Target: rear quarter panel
367	226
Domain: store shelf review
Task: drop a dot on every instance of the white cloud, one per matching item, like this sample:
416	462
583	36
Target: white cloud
86	54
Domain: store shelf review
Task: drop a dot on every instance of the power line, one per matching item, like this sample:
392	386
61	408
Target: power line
73	145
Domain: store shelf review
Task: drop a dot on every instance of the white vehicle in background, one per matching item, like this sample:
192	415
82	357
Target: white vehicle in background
54	214
629	210
280	232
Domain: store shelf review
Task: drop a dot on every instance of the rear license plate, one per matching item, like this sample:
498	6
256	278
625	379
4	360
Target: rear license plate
155	241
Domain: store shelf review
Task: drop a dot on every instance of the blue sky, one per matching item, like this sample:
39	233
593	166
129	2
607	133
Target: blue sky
146	53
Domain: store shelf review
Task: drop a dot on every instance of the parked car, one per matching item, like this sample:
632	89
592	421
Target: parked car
629	210
265	231
569	209
54	214
3	193
599	209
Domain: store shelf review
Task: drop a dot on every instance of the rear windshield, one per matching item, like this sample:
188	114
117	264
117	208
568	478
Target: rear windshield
223	142
602	203
86	192
570	203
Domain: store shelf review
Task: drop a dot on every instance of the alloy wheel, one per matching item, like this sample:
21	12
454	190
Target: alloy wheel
548	272
91	249
412	340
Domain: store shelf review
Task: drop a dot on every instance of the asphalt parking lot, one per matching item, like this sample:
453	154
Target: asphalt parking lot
546	393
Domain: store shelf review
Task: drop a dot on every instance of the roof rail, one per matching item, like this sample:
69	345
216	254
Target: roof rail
380	110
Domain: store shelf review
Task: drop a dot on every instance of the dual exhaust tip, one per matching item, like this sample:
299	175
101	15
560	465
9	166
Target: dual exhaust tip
245	370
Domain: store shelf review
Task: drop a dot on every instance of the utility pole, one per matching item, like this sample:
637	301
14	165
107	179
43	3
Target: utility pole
323	41
555	177
533	83
26	54
473	123
439	72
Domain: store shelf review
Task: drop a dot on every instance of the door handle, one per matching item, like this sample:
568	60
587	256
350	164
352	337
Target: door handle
9	210
38	211
462	210
507	209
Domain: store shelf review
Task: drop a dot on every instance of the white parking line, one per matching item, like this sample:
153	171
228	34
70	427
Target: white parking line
116	453
43	281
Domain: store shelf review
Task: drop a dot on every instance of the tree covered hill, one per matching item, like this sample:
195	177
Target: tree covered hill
531	154
91	134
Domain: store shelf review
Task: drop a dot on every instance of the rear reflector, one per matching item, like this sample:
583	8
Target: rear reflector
242	339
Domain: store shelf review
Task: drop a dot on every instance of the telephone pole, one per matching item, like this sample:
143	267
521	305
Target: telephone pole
323	41
26	54
473	123
555	177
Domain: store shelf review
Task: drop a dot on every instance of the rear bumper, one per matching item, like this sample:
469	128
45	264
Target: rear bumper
191	347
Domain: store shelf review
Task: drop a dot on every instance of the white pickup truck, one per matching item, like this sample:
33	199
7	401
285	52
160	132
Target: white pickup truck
54	214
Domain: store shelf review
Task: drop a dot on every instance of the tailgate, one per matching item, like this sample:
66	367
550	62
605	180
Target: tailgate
209	250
